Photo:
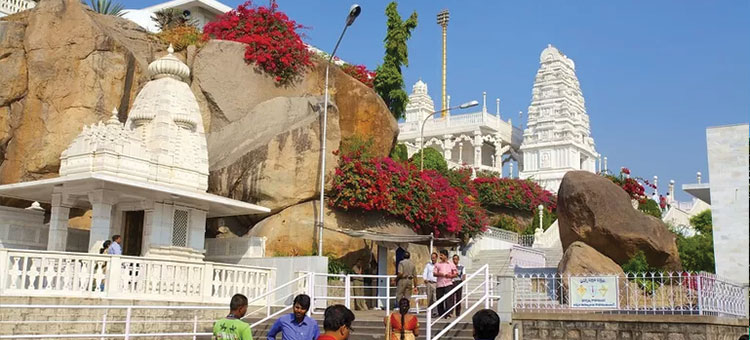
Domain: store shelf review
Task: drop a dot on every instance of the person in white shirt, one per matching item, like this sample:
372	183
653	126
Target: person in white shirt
430	281
115	248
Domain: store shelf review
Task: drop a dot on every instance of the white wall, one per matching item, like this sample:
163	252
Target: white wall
728	171
25	229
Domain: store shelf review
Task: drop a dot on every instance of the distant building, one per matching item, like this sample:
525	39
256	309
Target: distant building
8	7
202	11
557	138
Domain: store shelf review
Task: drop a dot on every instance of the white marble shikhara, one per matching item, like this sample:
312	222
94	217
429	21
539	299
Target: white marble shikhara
558	137
161	142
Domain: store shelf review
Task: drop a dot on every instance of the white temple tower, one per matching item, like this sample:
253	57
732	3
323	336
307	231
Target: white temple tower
420	103
557	138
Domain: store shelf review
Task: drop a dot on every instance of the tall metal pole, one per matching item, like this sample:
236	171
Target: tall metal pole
442	20
323	150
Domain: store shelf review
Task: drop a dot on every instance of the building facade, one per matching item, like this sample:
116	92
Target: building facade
8	7
557	138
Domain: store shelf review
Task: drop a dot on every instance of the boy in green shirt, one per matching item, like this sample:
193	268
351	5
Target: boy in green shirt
232	327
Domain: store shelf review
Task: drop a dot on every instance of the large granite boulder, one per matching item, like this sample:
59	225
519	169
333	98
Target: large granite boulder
592	209
264	139
582	259
62	67
292	232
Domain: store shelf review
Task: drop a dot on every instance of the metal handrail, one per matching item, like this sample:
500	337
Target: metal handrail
484	269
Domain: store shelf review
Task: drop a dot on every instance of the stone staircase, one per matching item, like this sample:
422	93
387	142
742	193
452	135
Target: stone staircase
369	325
552	256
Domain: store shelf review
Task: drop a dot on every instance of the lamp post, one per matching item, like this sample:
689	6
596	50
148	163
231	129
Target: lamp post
421	130
353	14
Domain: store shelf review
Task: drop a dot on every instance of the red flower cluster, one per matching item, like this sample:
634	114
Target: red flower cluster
632	186
361	73
272	41
426	199
513	193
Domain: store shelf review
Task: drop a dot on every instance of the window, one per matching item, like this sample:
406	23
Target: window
180	228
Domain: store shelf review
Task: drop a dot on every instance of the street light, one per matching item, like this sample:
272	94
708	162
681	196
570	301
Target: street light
353	14
421	130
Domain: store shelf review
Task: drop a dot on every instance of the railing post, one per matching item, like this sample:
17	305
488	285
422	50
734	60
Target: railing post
486	286
700	295
311	291
195	325
114	276
388	297
3	269
429	323
347	293
207	281
127	323
104	325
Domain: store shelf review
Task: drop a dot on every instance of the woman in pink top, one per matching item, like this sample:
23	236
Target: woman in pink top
445	271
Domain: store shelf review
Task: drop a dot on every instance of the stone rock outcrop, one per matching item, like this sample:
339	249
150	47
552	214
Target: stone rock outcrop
275	163
592	209
62	66
292	232
582	259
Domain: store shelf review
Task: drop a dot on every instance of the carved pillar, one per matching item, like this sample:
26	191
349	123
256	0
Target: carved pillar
102	202
58	223
478	142
448	147
499	160
461	154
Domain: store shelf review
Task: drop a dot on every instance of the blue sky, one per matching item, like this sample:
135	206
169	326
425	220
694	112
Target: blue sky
654	74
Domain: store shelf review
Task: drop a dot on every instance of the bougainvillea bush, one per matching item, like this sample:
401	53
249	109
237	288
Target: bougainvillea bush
361	73
425	199
632	186
273	43
522	194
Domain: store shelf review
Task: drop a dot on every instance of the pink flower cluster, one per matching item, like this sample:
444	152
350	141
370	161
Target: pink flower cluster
513	193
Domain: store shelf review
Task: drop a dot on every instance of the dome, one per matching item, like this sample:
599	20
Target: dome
550	53
169	66
419	87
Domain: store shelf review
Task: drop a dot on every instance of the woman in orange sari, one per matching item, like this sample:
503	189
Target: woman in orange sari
401	325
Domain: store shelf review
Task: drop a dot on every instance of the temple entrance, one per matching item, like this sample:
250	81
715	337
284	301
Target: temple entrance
132	233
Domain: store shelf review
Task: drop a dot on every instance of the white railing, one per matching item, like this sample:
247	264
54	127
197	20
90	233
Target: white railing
45	273
480	293
525	257
15	6
501	234
526	240
279	300
641	293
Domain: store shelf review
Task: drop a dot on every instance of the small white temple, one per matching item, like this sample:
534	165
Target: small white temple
557	138
145	179
481	140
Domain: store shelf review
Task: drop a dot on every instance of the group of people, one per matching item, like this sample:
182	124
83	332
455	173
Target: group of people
337	323
440	278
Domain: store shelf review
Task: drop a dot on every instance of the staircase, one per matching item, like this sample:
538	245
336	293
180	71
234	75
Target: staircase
552	256
369	325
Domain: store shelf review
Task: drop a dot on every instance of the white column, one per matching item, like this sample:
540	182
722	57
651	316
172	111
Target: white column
197	231
499	160
448	147
58	223
698	177
497	110
101	216
478	142
605	163
510	169
461	153
157	226
484	102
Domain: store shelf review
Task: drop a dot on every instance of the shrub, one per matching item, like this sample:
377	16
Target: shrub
649	207
361	73
181	37
426	199
506	222
400	153
548	218
271	37
697	251
632	186
522	194
639	266
703	222
433	160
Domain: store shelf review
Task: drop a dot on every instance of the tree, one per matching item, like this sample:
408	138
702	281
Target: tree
399	153
389	82
107	7
170	18
650	207
433	159
697	251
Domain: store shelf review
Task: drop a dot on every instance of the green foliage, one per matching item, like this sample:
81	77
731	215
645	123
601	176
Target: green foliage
170	18
336	266
487	174
180	37
433	159
637	264
703	223
107	7
548	218
506	222
389	81
697	251
650	207
358	146
399	153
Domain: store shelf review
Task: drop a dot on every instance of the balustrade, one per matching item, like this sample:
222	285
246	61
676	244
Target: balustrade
43	273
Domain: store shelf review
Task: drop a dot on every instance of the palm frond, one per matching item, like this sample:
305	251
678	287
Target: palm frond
107	7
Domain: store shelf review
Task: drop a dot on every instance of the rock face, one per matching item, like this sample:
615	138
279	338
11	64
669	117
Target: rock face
276	161
292	232
62	67
592	209
581	259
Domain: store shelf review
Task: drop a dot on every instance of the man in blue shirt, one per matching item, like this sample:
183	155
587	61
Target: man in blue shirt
114	247
297	325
